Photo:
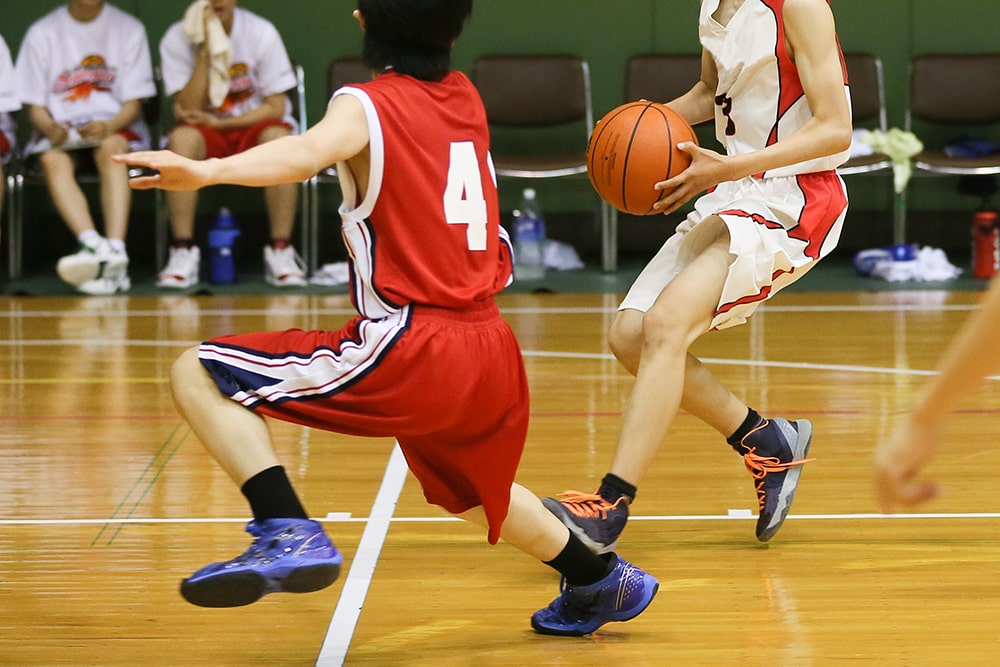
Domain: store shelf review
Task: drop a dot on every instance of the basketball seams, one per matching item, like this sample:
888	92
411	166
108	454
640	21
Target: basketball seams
626	154
595	155
662	110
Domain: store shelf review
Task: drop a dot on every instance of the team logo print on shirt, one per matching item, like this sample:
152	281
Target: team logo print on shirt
241	86
92	75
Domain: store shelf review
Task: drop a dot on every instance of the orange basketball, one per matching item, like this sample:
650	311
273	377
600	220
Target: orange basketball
634	147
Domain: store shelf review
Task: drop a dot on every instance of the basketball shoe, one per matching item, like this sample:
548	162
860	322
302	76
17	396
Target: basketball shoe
182	269
288	555
93	260
580	610
591	517
283	267
774	453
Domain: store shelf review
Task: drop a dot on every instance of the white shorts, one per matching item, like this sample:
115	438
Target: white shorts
778	229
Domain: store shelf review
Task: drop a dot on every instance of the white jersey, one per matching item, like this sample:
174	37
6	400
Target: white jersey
260	65
9	101
759	99
780	223
85	71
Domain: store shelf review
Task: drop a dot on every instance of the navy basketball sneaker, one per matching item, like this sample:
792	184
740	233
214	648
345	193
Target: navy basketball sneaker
580	610
288	555
774	453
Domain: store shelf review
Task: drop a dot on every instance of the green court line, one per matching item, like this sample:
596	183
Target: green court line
115	515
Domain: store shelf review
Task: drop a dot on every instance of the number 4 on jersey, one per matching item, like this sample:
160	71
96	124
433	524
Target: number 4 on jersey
464	203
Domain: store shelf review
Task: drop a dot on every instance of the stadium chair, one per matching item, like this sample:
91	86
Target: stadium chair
12	218
864	72
20	176
340	72
958	94
661	77
541	114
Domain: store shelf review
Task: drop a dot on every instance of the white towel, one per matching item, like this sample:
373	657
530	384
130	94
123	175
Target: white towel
219	49
930	265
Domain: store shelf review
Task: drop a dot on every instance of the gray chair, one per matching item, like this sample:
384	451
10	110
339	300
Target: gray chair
661	77
540	112
868	110
340	72
955	94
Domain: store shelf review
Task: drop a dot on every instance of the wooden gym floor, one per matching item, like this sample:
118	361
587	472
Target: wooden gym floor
109	500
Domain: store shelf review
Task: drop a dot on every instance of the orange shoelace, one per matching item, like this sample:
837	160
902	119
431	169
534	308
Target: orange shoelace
588	505
760	466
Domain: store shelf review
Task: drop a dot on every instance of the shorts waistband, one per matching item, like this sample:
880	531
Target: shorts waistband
481	311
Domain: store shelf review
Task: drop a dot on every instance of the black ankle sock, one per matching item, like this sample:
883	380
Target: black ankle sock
182	243
271	496
613	487
580	565
751	422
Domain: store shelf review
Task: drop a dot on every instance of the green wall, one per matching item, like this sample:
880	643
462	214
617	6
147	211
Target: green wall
607	32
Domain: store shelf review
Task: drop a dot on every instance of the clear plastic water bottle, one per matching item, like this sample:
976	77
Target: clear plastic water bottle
529	238
221	248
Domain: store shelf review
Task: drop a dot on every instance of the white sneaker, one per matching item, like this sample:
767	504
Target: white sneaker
182	269
283	267
92	261
106	286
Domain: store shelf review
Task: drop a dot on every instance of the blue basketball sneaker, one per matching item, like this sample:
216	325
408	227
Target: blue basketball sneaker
580	610
595	521
288	555
774	453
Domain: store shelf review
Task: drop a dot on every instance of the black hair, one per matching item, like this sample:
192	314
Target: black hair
414	37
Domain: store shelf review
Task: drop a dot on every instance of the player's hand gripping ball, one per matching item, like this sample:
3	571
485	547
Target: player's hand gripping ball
634	147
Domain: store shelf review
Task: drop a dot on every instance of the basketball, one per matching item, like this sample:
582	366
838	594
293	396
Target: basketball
631	149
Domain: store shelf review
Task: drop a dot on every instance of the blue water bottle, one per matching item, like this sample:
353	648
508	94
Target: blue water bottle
221	245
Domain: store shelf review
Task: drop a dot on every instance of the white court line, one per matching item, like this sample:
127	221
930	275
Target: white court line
842	368
557	310
359	578
839	368
860	516
165	312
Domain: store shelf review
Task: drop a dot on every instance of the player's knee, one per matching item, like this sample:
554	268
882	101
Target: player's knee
55	163
187	141
185	375
625	338
664	327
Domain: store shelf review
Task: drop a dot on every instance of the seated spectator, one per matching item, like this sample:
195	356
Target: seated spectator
8	102
83	70
229	74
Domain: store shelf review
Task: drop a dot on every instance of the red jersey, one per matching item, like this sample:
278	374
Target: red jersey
428	229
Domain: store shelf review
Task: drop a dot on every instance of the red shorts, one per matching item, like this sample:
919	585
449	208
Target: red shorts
4	146
450	386
223	144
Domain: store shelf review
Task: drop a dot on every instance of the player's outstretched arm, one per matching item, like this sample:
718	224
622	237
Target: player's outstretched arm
918	434
340	135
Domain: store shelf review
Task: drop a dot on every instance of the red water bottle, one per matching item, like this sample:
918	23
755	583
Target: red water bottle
985	245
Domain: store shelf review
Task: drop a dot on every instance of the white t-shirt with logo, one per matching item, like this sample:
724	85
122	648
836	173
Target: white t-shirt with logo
8	97
84	71
260	65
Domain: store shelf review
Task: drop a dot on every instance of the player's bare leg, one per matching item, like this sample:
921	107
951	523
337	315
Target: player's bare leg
289	554
653	346
618	592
